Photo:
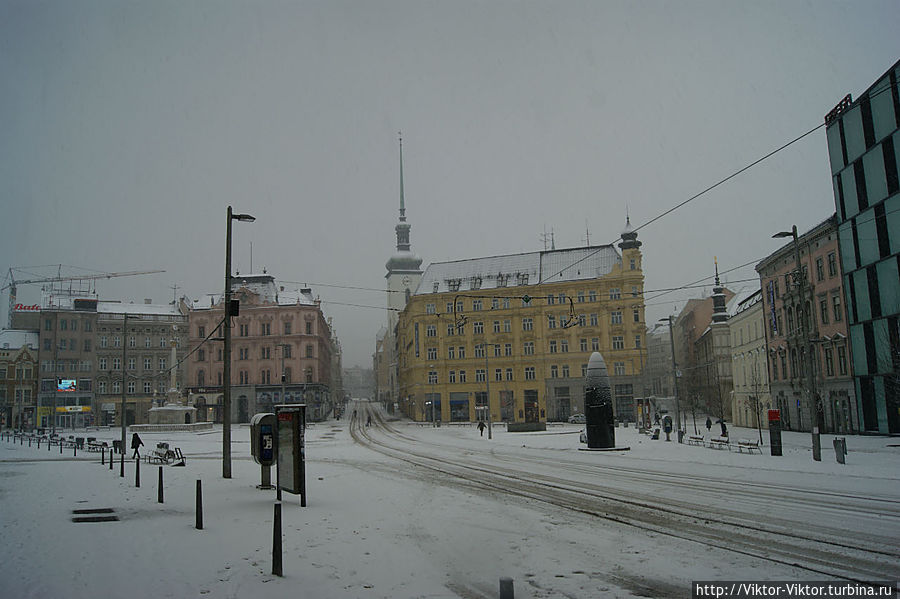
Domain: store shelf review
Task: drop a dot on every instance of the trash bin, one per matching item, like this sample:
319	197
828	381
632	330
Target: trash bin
840	449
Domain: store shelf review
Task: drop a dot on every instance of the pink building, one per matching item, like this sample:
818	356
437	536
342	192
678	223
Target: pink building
281	352
787	349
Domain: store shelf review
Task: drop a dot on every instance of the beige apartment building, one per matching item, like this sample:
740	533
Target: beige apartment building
751	399
18	378
513	335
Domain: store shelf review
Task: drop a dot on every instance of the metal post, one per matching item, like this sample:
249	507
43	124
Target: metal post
103	456
506	588
226	366
675	376
159	496
199	504
276	542
283	347
487	385
137	473
122	464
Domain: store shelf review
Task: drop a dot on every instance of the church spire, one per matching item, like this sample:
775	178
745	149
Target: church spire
720	309
402	205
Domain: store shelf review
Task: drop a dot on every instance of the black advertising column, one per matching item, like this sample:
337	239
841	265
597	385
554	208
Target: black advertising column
600	429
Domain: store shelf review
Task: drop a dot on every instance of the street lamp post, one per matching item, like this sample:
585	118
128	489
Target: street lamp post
226	366
433	406
487	389
669	319
800	282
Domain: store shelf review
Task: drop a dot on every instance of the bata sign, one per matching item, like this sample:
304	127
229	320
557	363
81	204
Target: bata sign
24	308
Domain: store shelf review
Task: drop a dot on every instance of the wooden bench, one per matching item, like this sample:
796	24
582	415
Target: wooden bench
695	440
164	455
718	443
94	445
748	445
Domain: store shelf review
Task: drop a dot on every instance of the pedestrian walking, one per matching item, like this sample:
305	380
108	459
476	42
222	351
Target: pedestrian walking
708	424
724	430
481	427
368	420
135	443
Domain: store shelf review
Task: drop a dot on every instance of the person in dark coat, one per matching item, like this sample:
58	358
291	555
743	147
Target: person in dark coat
724	430
708	423
135	443
481	427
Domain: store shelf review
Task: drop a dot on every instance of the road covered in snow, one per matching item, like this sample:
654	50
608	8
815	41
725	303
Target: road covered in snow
398	509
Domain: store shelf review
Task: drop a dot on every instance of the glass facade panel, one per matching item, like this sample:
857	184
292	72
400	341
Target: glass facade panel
876	179
889	286
848	185
833	134
867	234
860	282
892	214
882	110
848	257
858	339
853	133
882	346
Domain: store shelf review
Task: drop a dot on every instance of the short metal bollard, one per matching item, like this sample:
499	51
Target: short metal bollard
199	523
159	497
137	473
103	456
276	542
840	449
506	588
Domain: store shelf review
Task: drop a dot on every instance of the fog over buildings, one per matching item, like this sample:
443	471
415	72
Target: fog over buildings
128	130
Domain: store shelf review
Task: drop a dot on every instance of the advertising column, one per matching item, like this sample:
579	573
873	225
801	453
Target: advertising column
290	464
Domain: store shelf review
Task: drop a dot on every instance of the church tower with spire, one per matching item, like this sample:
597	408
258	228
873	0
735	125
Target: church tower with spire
404	268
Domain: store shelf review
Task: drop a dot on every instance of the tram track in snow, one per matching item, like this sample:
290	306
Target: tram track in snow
820	551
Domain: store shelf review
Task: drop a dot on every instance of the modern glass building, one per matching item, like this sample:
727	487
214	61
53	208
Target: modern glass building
864	149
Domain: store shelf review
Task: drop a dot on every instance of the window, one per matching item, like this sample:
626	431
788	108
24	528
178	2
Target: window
432	353
117	387
479	350
244	353
162	363
615	317
101	386
784	370
498	374
528	349
527	324
637	341
63	324
842	360
101	363
450	329
823	310
162	341
595	320
506	303
117	342
551	321
592	296
495	304
244	330
461	350
553	347
480	375
637	314
595	344
201	331
497	352
201	378
615	293
309	328
565	371
507	326
432	377
265	328
201	355
582	344
430	309
582	320
452	376
431	331
832	264
618	342
554	371
310	351
509	374
476	305
496	326
529	373
244	377
87	345
148	363
478	327
451	352
103	341
47	342
619	368
507	349
829	361
117	364
562	298
551	299
774	368
820	269
147	387
836	305
632	264
580	297
48	324
564	346
147	341
462	376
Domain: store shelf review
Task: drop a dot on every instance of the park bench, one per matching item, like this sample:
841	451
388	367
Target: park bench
162	454
695	440
94	445
718	443
748	445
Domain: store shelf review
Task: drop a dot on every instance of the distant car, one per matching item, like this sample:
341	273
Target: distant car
577	419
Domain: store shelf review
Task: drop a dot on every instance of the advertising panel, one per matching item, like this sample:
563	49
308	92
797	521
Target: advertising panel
290	464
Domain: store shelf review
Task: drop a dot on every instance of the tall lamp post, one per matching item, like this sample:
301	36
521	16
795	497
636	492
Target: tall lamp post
433	403
487	389
226	366
669	319
800	282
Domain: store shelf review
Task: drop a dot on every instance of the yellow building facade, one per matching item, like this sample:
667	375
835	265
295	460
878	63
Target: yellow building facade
515	333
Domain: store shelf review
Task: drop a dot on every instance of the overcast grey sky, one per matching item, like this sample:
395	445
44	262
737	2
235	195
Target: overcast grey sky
127	128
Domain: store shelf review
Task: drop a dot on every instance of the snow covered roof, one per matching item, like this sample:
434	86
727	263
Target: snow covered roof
262	285
743	299
18	338
106	307
549	266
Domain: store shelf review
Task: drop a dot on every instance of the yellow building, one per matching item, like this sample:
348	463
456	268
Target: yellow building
520	329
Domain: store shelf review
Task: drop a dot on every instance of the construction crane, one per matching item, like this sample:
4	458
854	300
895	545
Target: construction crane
13	283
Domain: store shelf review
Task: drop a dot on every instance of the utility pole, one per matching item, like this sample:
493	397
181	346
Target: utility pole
124	357
674	374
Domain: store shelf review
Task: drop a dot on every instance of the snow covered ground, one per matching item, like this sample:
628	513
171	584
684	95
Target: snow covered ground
377	526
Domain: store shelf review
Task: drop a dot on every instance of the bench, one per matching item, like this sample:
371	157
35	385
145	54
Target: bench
718	443
94	445
747	444
164	455
695	440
